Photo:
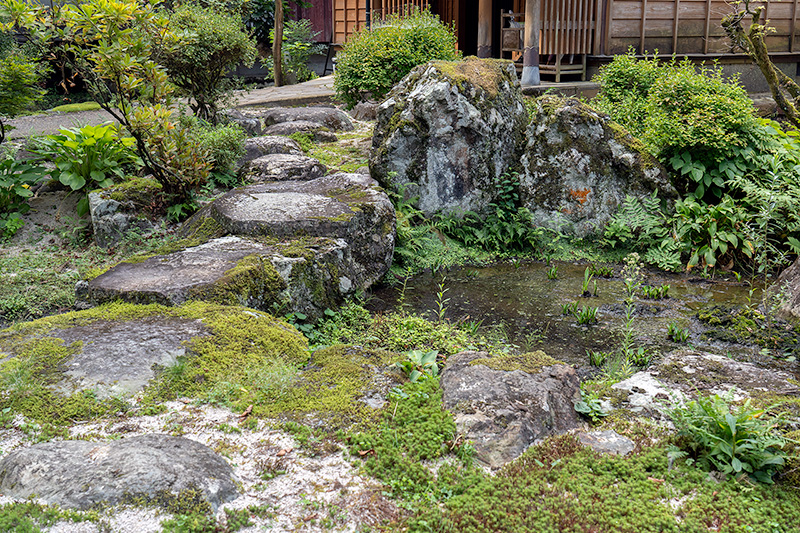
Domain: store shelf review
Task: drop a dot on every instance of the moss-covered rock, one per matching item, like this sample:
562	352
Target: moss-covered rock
579	166
117	210
448	131
83	364
503	404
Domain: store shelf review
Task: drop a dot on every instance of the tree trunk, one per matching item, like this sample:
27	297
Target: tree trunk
277	45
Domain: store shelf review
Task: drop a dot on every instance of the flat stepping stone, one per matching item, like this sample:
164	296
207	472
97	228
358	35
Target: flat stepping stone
282	167
330	117
319	132
82	474
309	276
341	206
291	246
255	147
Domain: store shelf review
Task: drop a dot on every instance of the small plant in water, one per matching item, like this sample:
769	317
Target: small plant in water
552	272
587	281
597	358
441	301
587	315
676	333
569	309
419	364
602	271
655	293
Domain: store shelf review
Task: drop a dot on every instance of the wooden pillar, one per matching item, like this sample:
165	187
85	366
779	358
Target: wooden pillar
530	57
485	28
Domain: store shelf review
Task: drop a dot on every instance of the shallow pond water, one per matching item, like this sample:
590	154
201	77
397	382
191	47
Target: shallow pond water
521	301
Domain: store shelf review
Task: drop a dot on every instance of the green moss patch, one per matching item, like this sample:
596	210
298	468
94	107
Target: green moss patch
487	74
332	386
561	486
239	340
253	279
531	362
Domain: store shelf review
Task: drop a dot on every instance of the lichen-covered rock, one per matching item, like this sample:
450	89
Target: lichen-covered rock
787	291
117	210
281	167
685	373
256	147
504	412
306	276
252	125
319	132
82	474
579	165
340	206
332	118
448	131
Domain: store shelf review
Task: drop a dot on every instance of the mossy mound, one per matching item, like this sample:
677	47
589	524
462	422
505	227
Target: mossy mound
67	367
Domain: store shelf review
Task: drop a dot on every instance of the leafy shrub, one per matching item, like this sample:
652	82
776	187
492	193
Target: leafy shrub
736	441
202	46
224	143
624	87
298	46
16	178
375	59
696	122
87	158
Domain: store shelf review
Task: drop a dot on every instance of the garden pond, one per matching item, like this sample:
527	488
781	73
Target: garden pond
520	302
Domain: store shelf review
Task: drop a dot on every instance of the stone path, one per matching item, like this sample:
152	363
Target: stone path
319	90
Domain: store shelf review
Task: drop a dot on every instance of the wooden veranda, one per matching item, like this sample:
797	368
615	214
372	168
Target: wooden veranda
558	36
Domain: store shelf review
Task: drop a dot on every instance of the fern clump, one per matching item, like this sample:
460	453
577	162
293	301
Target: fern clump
644	226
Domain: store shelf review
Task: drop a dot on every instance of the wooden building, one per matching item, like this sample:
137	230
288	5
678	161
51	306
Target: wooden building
571	33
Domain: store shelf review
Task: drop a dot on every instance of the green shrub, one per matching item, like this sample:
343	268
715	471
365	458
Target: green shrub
225	146
16	178
298	46
203	46
737	441
18	77
87	158
375	59
696	122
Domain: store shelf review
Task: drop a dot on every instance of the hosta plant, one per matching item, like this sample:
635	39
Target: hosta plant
87	158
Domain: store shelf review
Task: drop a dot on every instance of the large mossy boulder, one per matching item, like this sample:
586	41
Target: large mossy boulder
579	165
448	131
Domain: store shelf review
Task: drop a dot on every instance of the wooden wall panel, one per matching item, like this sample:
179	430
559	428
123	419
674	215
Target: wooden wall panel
645	24
348	16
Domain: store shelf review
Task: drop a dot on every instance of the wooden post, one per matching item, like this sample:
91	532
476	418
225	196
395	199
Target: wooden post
277	42
530	57
485	28
676	26
644	22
